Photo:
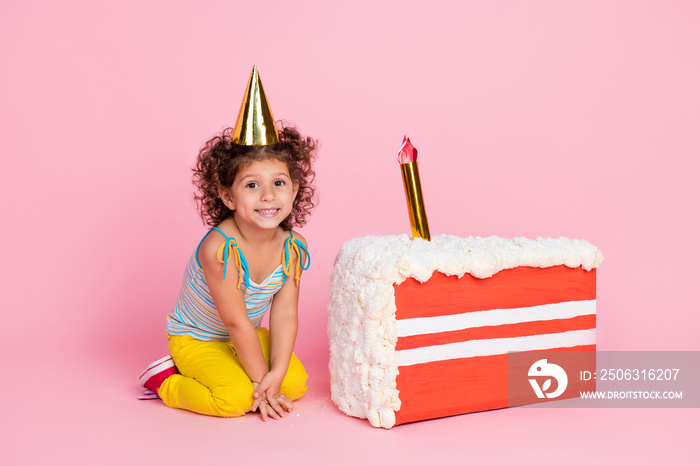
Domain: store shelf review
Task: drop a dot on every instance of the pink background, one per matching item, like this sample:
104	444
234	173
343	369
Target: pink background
575	119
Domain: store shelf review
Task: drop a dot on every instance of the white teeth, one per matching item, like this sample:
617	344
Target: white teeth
267	211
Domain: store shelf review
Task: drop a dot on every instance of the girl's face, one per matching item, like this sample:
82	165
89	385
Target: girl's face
262	194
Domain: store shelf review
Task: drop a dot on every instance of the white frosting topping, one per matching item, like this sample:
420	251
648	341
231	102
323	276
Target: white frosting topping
362	309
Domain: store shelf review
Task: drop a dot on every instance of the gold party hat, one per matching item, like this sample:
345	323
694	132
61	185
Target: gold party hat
255	125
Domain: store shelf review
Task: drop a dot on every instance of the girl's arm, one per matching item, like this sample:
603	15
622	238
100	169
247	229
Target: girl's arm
283	328
283	333
230	305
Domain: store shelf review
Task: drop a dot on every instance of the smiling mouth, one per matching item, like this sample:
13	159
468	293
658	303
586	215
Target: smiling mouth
267	212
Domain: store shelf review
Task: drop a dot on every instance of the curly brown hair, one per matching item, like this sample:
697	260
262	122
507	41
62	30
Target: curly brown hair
220	160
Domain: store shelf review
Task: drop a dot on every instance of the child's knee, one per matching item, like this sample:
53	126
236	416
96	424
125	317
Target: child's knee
263	335
232	401
294	384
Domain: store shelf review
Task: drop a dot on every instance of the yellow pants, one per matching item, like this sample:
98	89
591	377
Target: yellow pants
212	379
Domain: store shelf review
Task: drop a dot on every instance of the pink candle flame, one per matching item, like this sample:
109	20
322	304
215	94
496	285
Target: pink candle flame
407	153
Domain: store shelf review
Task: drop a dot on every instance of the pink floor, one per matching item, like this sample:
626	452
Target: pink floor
92	417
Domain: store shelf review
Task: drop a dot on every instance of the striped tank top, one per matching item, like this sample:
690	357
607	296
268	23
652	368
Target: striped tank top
194	313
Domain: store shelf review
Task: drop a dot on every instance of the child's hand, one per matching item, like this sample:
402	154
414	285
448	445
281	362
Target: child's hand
275	407
269	399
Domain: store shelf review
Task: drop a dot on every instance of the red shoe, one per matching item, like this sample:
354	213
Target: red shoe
153	376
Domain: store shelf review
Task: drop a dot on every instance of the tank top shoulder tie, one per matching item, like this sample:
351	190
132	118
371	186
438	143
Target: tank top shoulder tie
293	248
293	245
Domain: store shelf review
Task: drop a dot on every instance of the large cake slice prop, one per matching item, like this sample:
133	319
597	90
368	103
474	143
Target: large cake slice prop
422	329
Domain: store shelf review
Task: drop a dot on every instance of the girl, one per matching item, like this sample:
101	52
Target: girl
223	363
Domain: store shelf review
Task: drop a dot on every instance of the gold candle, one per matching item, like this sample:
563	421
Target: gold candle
414	195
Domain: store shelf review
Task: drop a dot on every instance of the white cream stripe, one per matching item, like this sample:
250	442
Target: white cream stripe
494	346
439	324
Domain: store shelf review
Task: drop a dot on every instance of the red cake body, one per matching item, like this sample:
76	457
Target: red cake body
460	385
